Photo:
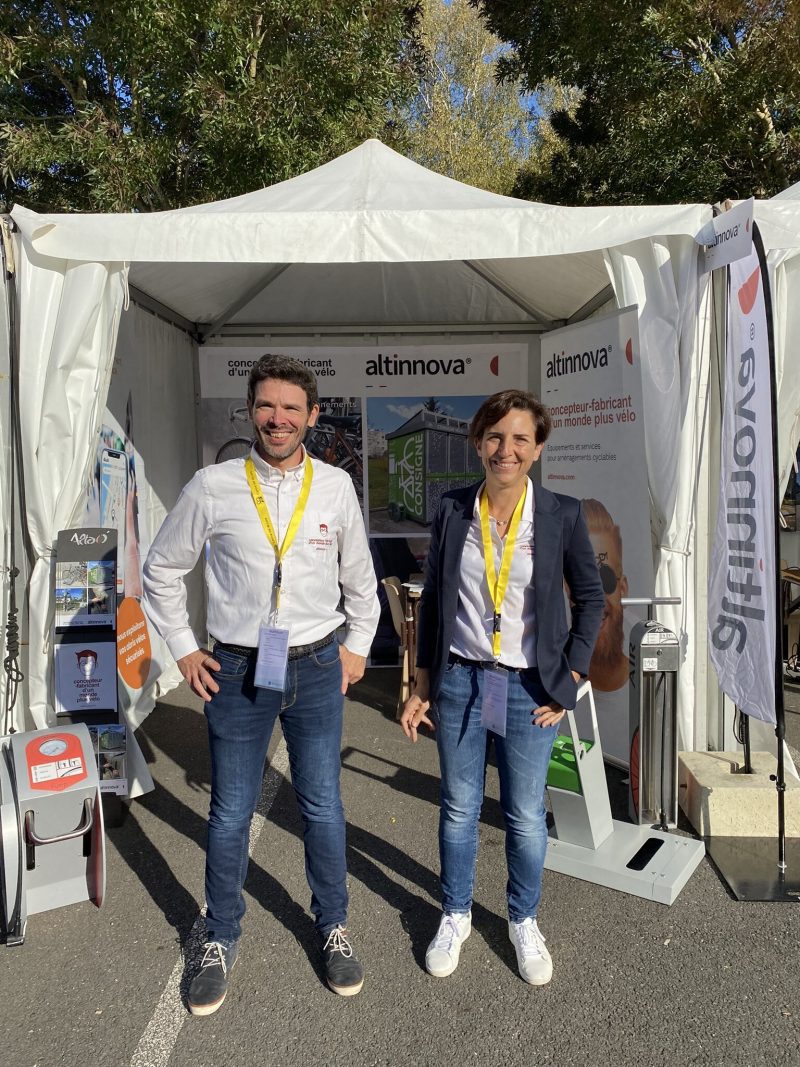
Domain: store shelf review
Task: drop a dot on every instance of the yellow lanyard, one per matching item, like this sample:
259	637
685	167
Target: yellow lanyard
498	583
266	521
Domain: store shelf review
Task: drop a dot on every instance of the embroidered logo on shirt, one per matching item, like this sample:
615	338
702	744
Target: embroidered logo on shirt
325	539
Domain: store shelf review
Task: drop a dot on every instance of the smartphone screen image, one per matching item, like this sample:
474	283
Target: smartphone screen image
113	493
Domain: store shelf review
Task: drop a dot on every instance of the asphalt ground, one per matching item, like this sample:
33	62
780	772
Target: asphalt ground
706	981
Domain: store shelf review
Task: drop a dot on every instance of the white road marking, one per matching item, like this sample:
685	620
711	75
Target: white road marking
162	1032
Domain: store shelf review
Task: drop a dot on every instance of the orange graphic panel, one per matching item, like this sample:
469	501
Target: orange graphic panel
133	644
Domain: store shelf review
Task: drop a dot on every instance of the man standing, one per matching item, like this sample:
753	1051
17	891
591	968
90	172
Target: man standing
284	533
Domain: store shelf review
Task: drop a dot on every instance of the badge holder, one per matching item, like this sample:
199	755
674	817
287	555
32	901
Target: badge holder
273	657
494	701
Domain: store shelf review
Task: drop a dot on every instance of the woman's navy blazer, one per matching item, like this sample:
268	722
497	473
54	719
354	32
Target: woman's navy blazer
562	552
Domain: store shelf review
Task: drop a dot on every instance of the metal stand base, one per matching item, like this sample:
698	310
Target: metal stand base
749	867
633	859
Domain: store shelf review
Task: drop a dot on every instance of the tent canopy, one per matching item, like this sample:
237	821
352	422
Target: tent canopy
370	237
370	243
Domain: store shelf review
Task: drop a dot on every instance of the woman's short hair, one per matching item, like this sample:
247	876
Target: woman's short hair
497	406
284	369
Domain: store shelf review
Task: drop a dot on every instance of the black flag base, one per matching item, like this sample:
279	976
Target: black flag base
749	867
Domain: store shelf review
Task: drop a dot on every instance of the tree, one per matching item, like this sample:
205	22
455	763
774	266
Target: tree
681	100
461	122
162	103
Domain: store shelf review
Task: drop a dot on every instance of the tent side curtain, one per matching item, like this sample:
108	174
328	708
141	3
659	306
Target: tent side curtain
784	270
68	319
664	278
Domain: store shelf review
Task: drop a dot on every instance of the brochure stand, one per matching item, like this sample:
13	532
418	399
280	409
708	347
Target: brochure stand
86	647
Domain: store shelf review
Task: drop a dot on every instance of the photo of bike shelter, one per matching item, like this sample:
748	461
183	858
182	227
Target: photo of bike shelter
418	450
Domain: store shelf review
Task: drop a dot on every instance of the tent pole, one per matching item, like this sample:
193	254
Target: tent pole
207	330
509	293
780	714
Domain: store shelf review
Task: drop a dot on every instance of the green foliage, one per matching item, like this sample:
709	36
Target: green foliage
676	101
153	104
461	122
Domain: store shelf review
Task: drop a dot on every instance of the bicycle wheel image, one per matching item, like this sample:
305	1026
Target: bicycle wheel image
236	448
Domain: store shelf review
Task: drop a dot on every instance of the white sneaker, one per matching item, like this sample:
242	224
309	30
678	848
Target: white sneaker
533	960
441	958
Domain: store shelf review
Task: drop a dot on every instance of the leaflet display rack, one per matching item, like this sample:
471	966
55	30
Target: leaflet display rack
85	660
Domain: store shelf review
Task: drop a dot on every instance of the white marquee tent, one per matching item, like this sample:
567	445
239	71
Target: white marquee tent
369	244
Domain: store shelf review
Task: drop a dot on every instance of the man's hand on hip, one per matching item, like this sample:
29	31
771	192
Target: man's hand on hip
195	669
352	667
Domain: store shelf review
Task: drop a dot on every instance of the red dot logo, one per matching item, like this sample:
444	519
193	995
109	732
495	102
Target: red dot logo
494	365
629	350
749	291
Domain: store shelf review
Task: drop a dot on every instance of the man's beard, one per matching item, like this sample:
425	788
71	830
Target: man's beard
609	648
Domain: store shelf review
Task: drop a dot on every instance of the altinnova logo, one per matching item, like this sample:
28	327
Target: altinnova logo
394	365
564	364
725	235
749	291
87	539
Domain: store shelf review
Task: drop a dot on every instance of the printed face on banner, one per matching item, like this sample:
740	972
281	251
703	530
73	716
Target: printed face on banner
609	667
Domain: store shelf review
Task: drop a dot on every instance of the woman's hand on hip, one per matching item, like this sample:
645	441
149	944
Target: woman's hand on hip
547	715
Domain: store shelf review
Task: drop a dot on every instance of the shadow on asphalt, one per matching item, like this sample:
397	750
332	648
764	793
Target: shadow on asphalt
369	857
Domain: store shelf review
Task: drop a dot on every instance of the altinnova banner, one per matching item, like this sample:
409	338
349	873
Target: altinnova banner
592	383
741	588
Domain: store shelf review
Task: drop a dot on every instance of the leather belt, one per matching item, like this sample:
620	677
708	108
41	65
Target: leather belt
295	652
484	664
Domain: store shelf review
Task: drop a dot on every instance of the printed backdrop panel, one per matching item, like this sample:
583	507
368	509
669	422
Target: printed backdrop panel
591	381
396	418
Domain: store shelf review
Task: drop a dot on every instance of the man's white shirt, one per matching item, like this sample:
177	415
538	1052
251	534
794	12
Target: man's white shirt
330	548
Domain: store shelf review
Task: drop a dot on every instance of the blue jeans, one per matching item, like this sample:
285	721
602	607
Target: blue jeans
523	756
240	720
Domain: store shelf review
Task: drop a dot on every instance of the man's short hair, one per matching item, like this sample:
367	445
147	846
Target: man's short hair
497	406
599	521
284	369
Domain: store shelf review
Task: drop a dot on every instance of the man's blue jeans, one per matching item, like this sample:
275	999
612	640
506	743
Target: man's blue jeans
240	721
523	756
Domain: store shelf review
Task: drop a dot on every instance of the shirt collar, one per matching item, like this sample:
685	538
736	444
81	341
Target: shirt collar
527	507
273	474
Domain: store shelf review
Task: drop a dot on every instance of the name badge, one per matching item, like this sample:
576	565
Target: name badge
273	655
495	700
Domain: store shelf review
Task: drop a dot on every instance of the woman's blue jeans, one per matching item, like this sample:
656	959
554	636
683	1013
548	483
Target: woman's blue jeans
240	721
523	756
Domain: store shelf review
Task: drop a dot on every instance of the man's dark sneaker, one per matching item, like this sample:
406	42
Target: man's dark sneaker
343	973
210	984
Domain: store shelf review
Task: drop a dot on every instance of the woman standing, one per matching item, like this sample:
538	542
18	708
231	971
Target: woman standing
497	655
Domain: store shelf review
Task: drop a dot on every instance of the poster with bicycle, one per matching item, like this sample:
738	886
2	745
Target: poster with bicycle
395	417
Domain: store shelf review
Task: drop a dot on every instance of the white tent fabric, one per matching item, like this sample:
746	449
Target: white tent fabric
664	278
370	206
372	240
68	318
779	224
